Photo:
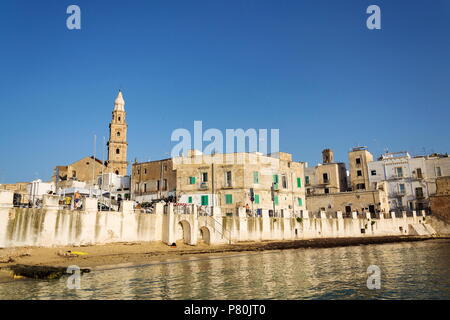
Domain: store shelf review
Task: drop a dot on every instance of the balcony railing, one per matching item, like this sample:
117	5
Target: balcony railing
203	185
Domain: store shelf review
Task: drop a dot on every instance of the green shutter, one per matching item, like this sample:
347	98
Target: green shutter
299	182
300	201
276	200
256	177
275	178
192	180
256	198
189	199
228	199
306	180
204	200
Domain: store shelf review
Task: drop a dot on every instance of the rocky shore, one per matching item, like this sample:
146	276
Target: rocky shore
45	263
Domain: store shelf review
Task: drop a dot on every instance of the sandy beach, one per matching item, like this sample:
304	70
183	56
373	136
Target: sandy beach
104	256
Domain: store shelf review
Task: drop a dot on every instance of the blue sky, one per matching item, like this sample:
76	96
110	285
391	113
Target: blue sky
310	68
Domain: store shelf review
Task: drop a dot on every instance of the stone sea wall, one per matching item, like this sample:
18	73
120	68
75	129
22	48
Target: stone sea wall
52	226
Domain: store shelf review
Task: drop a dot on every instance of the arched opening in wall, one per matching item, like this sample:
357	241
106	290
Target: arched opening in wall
117	172
205	235
118	134
117	151
119	118
183	232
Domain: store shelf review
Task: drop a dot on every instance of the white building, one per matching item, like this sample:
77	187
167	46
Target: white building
411	179
37	188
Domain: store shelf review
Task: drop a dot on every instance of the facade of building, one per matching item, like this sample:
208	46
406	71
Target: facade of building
86	170
223	180
20	191
358	160
230	180
153	180
440	202
326	178
348	202
412	180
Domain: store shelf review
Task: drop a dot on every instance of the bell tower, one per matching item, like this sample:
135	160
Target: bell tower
117	144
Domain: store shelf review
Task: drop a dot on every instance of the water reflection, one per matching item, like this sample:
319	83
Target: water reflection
409	271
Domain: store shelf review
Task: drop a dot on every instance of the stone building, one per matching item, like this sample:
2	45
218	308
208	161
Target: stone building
224	180
358	160
153	180
227	181
86	170
353	201
326	177
440	202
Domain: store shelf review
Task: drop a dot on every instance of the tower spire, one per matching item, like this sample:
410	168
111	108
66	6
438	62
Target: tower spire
119	103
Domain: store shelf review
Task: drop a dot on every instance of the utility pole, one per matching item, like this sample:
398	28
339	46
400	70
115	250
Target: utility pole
212	184
272	191
93	166
103	165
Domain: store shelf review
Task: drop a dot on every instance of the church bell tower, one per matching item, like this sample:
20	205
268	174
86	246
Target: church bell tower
117	144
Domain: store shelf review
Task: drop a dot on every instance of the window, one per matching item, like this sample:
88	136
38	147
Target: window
189	199
419	173
228	199
74	174
419	192
361	186
284	181
205	177
165	167
300	201
256	198
139	171
359	173
117	172
145	187
325	178
401	188
228	181
326	190
145	171
275	199
373	172
191	180
255	177
158	184
399	172
358	161
307	180
204	200
438	172
165	184
120	118
299	182
118	134
117	151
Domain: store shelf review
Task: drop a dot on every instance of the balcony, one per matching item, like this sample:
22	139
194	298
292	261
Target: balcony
399	193
203	186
